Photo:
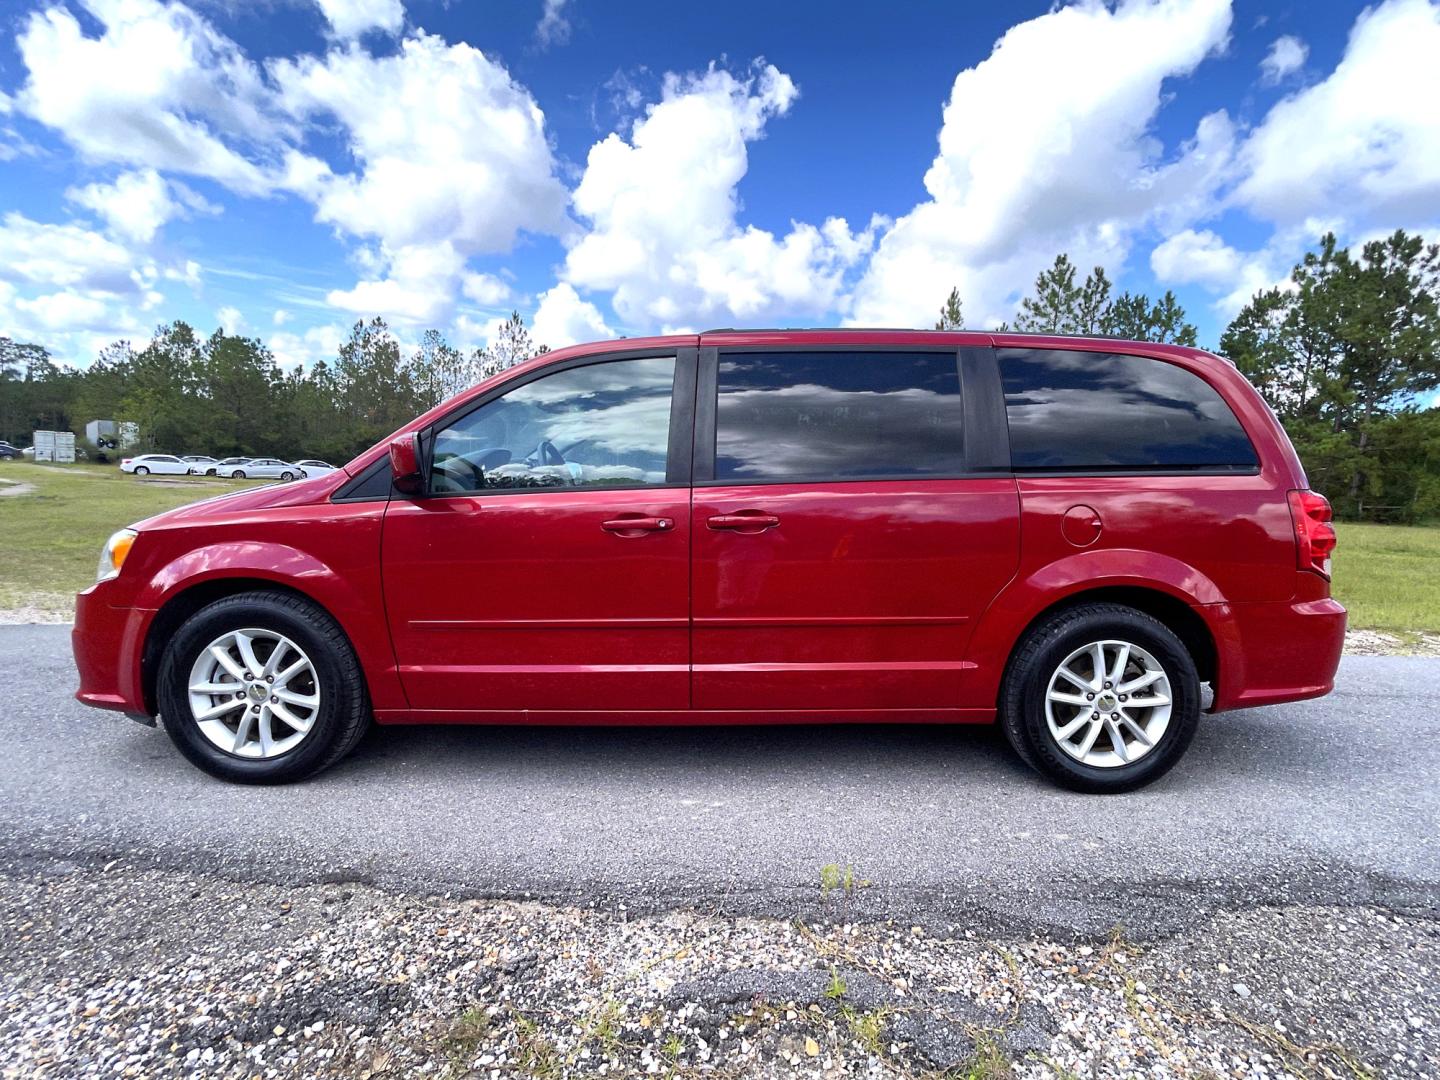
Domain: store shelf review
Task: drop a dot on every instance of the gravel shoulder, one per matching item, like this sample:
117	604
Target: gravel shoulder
118	970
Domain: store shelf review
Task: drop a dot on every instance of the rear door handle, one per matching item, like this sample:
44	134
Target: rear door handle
636	526
747	521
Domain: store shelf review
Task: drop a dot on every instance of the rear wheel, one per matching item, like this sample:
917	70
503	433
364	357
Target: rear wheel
1101	698
262	688
238	474
141	470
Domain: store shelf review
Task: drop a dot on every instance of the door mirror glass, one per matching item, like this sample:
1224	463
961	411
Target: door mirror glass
405	471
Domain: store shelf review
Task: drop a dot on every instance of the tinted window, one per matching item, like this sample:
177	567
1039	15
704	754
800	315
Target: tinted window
603	424
1085	410
840	415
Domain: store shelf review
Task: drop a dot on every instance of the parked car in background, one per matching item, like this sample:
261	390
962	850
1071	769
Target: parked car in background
263	468
159	464
8	452
222	467
194	460
1067	536
314	467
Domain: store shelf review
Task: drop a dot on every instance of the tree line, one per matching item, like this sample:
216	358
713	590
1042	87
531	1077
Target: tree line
225	395
1347	353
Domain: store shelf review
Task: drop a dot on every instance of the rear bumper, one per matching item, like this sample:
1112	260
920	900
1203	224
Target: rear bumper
1271	653
107	642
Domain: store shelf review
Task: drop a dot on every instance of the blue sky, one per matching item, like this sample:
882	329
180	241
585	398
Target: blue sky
284	167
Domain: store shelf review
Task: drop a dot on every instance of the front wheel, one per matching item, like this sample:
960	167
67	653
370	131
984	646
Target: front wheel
262	688
238	474
1101	698
287	476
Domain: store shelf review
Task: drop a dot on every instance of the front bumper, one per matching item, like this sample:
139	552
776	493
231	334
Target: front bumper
1277	652
107	641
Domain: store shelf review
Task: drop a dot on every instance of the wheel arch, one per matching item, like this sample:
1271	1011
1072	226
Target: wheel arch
1178	616
188	600
1169	589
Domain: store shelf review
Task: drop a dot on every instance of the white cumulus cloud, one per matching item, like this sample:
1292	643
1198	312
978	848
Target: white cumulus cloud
159	88
1286	56
563	318
1364	142
662	209
1046	146
351	18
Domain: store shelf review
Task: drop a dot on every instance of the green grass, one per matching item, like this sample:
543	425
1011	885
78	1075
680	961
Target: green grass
1388	576
50	539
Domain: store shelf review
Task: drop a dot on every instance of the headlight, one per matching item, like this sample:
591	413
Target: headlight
113	557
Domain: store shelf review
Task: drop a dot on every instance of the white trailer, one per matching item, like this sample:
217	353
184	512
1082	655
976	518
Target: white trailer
55	446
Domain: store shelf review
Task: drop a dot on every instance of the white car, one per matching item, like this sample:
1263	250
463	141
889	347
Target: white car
263	468
197	462
159	464
313	467
222	467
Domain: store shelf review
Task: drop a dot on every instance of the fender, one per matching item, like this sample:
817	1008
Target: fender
359	611
1021	601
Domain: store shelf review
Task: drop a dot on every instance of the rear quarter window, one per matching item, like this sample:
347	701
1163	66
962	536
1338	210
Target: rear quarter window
1088	411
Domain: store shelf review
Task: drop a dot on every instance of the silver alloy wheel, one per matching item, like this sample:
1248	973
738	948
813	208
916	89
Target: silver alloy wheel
1108	704
254	693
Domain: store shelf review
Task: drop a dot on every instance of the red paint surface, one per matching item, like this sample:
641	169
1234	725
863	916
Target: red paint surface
897	600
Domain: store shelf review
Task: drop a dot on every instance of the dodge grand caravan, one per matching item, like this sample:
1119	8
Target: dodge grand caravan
1067	536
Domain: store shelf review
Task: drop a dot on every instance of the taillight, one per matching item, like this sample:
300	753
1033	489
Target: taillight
1314	534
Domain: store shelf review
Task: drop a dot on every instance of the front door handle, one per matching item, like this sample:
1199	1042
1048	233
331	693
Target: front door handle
637	526
745	521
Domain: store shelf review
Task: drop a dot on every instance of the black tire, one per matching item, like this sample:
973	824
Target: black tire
238	474
287	476
209	472
141	470
344	712
1041	652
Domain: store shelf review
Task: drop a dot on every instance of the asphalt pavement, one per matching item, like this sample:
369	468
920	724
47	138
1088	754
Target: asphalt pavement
1333	802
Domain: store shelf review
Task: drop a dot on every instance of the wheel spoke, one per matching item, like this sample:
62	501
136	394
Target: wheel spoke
1148	703
1097	654
1090	737
1117	741
1068	699
1122	658
1066	673
220	710
1073	726
267	739
246	644
1141	681
222	657
309	701
290	672
290	719
1129	721
231	688
273	661
242	731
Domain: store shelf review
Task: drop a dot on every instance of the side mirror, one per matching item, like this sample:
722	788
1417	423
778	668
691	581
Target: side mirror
405	471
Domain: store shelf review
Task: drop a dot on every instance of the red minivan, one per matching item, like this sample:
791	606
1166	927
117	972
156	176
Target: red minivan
1069	536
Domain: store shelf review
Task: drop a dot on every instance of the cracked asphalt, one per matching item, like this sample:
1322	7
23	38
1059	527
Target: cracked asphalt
1331	802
